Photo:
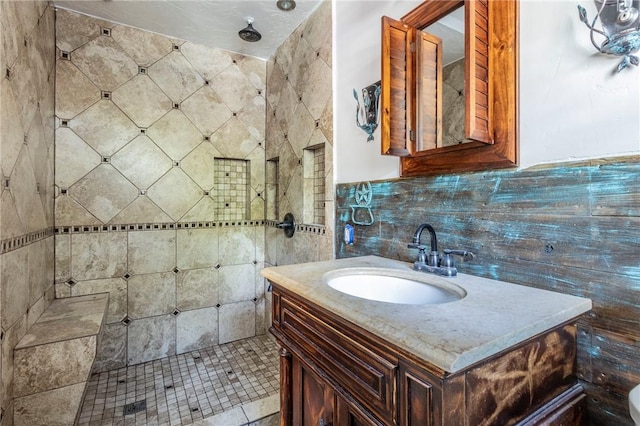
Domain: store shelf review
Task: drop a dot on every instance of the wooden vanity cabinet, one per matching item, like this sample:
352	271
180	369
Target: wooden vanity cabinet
333	372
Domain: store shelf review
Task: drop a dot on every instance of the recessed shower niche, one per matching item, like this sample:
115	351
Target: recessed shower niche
232	189
313	184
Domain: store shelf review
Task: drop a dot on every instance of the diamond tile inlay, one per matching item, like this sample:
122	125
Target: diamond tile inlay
142	100
233	88
104	62
141	161
178	85
74	91
104	127
233	140
175	193
199	164
208	62
104	192
143	46
74	158
175	126
206	110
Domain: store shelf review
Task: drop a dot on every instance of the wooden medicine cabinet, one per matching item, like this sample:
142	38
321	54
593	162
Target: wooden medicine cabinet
412	89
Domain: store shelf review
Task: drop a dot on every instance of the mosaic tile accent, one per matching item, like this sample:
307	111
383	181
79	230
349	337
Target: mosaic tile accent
20	241
183	389
231	188
303	228
84	229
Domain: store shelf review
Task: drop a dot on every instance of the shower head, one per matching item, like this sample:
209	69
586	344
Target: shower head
249	33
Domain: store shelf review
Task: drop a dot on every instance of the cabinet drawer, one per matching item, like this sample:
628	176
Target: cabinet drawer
367	376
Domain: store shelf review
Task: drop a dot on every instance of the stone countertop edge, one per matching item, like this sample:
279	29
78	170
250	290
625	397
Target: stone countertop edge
492	317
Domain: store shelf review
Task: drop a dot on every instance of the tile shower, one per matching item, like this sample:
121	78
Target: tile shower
160	195
160	198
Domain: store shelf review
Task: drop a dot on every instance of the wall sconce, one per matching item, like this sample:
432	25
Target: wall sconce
620	28
367	118
286	5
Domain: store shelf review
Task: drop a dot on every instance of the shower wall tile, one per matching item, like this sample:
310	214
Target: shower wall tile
112	348
177	86
104	192
142	162
151	338
237	245
74	158
236	321
199	165
117	289
70	212
175	193
208	62
141	210
152	294
62	257
104	62
74	91
104	127
153	251
27	97
145	48
142	100
197	288
196	329
206	110
75	30
15	286
237	283
139	127
300	116
197	248
98	256
175	126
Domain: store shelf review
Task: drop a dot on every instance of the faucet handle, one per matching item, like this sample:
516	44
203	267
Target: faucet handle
465	254
416	246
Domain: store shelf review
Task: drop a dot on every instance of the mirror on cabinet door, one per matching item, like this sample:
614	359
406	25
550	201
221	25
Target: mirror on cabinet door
425	73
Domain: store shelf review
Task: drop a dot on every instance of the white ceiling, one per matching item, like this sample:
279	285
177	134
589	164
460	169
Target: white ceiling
210	23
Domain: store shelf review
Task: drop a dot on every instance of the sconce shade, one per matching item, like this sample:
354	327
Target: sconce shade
286	5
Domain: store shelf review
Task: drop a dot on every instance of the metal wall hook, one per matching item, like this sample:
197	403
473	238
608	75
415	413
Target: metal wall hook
288	225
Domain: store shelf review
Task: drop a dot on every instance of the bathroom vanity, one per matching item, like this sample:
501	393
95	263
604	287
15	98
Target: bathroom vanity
501	354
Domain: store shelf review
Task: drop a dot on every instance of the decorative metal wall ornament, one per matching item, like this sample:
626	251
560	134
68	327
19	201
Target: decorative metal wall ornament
367	118
620	21
362	207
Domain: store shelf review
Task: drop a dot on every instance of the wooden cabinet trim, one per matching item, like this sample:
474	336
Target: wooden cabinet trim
358	369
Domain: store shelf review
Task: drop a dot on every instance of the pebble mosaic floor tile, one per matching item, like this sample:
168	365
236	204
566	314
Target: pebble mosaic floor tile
183	389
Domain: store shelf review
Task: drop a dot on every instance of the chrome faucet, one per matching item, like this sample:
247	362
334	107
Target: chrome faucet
432	262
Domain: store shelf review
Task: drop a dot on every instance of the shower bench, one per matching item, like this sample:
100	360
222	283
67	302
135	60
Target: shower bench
53	361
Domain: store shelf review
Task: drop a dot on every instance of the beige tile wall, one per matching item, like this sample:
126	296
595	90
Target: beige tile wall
26	165
145	209
299	116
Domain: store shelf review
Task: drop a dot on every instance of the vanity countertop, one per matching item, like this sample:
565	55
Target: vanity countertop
493	316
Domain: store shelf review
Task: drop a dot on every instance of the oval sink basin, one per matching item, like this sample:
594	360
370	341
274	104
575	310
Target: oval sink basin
394	286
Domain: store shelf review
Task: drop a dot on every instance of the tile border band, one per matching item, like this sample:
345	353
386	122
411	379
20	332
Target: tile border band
15	243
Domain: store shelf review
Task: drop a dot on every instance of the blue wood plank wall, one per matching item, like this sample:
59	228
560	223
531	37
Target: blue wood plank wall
572	228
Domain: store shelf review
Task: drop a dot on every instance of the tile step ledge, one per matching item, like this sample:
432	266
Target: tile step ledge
53	361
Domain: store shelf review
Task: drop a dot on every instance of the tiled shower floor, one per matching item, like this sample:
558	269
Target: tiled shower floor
183	389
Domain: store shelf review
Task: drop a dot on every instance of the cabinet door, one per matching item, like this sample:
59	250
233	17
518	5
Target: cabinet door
313	399
349	415
416	398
